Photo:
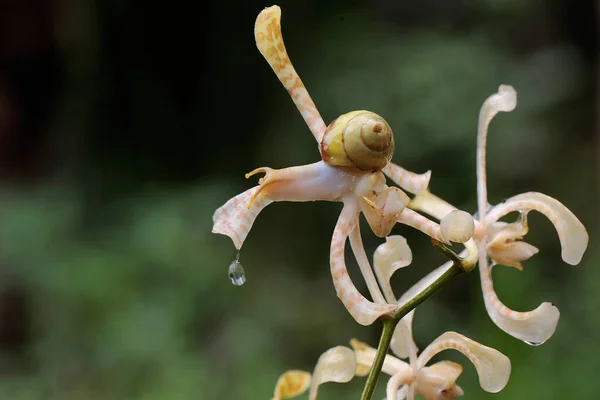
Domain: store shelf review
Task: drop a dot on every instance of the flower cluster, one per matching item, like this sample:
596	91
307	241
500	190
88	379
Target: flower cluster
364	190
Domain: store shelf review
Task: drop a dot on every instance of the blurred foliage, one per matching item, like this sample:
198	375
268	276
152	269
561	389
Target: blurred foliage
124	126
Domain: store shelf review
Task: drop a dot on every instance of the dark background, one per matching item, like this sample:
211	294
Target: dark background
125	124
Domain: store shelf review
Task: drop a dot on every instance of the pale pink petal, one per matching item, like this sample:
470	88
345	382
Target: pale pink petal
403	344
335	365
362	310
409	181
387	259
291	384
533	327
267	32
430	204
365	266
421	223
383	209
492	366
571	232
505	100
235	218
365	355
438	381
394	383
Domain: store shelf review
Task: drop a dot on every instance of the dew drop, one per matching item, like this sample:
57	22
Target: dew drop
535	344
237	273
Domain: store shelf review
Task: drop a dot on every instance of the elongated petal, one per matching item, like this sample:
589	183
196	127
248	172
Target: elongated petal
430	204
267	32
492	366
409	181
234	218
505	100
387	259
365	355
291	384
421	223
337	364
365	266
438	381
394	383
362	310
571	232
533	327
403	344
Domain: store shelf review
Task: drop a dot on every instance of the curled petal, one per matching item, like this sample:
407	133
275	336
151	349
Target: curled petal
492	366
457	226
290	384
533	327
365	266
362	310
571	232
267	32
365	355
383	209
387	259
438	381
505	100
403	344
409	181
234	218
335	365
394	383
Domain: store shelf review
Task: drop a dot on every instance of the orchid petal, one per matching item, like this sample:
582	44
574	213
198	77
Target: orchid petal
362	310
438	381
403	344
421	223
492	366
571	232
383	209
533	327
267	32
365	266
365	355
387	259
291	383
394	383
335	365
235	218
409	181
430	204
505	100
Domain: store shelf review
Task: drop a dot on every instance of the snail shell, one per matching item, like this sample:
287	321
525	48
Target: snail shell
359	139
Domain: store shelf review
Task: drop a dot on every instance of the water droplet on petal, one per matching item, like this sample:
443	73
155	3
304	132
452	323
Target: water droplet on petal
535	344
237	273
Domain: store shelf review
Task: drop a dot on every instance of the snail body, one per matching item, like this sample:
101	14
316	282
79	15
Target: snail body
358	139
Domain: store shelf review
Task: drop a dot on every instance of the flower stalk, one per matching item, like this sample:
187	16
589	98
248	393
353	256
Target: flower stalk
390	321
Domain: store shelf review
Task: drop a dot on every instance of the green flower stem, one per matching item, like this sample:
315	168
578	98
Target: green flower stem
390	321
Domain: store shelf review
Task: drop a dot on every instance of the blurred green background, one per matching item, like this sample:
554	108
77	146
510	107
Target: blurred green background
125	124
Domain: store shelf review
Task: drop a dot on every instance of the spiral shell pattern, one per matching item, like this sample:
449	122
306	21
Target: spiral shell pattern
359	139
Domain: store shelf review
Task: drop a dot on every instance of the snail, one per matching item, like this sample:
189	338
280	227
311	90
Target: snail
359	139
